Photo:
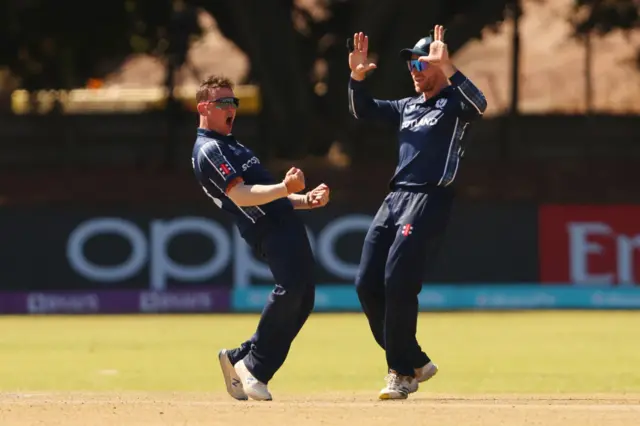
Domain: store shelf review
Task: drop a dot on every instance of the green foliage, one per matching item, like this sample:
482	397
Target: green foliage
56	44
603	16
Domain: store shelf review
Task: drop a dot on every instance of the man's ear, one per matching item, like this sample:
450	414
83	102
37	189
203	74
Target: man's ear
202	109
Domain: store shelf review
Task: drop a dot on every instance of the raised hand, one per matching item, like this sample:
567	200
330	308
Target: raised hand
438	52
358	61
294	180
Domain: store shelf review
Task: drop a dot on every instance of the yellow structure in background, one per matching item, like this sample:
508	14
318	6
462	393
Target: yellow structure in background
117	100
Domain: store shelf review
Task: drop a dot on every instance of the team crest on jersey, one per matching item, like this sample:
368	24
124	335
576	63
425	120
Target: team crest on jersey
440	103
225	169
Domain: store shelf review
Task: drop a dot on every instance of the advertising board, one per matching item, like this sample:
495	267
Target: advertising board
115	302
590	245
169	248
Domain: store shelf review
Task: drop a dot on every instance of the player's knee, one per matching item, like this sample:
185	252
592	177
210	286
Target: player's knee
361	285
366	289
301	273
306	276
402	287
366	280
299	295
303	303
291	296
309	300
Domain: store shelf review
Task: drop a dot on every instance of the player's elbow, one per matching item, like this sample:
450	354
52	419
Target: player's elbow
353	113
482	104
239	194
241	198
479	101
477	108
352	104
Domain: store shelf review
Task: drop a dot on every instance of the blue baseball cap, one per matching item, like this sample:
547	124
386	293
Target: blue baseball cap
421	48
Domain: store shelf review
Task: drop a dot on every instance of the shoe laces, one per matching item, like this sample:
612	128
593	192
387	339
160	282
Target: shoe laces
395	380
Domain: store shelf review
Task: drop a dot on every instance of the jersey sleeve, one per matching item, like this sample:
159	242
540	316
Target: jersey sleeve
215	165
472	101
363	106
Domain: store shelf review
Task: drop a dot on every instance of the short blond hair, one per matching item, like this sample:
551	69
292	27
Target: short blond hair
212	82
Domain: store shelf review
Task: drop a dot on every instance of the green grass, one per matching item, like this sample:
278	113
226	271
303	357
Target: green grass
537	352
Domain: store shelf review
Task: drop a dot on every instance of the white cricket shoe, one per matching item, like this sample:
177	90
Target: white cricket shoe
398	387
426	372
231	379
423	374
254	388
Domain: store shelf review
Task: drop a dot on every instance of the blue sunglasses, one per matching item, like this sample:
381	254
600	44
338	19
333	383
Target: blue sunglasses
419	66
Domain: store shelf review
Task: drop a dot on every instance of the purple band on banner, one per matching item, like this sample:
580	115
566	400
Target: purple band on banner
116	302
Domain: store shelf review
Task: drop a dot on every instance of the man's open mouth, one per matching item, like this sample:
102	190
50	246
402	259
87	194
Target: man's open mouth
229	121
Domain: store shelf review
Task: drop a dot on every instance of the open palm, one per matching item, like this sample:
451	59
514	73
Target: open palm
358	61
438	52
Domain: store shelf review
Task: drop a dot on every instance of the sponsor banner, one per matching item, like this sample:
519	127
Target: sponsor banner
115	302
590	245
476	297
170	247
328	298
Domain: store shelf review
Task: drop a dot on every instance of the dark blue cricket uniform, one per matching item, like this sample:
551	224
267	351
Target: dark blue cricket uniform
407	230
429	132
276	232
220	160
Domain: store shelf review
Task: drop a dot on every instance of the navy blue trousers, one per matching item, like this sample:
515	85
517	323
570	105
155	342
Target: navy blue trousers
285	247
400	245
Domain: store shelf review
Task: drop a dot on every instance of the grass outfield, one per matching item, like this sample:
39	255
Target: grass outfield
335	369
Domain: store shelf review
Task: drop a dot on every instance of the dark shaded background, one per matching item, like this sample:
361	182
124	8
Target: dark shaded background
126	162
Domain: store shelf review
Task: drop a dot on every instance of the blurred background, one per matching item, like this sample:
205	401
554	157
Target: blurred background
100	212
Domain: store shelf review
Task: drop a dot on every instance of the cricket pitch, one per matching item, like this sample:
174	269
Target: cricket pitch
511	369
338	409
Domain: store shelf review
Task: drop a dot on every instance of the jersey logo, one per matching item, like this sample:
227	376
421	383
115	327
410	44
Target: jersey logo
250	162
225	169
429	119
440	103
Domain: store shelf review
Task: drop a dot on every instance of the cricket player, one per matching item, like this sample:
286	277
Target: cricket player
409	225
239	184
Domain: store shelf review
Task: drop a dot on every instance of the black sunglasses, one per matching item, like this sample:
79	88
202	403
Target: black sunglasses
225	103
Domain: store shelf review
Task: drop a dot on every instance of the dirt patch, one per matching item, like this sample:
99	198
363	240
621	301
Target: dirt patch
339	409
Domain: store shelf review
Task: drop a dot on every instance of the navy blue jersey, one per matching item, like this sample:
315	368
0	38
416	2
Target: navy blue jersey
220	161
430	132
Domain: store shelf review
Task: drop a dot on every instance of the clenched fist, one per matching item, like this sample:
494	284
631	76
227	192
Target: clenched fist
318	197
294	180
